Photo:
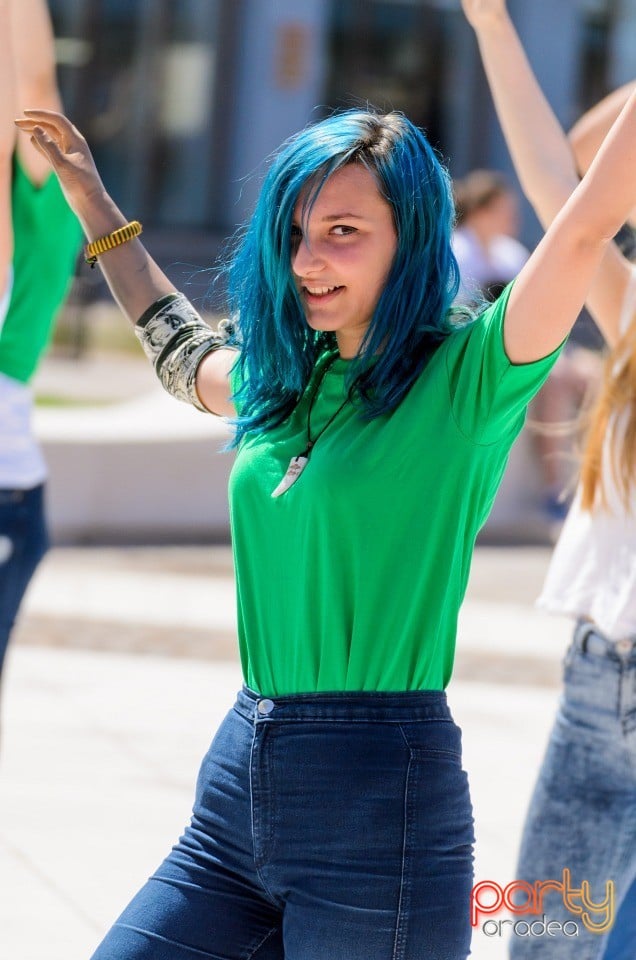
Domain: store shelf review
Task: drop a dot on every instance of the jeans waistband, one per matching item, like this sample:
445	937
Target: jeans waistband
589	639
10	496
345	707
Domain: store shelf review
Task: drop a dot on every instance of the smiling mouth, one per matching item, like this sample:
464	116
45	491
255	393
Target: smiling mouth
319	292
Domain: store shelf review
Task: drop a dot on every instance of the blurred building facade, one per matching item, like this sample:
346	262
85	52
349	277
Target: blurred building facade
182	99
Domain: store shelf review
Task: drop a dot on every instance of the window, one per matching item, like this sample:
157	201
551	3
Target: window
139	78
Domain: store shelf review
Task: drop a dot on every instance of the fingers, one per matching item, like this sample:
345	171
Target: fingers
56	123
40	149
28	126
57	119
38	131
46	145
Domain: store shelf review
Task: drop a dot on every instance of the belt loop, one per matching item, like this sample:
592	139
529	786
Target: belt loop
586	629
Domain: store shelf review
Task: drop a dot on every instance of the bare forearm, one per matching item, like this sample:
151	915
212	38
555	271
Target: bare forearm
7	144
588	133
7	83
539	147
33	43
36	81
564	268
607	193
134	278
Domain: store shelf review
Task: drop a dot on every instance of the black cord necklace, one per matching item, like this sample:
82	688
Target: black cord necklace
298	464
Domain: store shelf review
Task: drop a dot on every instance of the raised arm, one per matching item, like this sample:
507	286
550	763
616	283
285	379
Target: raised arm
134	278
554	284
7	144
539	147
35	75
588	133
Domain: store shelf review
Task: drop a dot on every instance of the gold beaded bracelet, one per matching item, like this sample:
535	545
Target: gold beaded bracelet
111	240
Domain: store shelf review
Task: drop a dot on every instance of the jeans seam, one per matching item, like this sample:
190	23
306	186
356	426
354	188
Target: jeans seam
257	868
262	941
402	905
157	936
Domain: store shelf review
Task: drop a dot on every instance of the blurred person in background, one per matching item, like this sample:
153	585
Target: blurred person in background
373	423
485	243
7	143
583	810
46	238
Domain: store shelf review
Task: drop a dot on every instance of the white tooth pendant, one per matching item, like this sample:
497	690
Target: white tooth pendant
294	470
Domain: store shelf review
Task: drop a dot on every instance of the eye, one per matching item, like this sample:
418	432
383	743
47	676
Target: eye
295	236
342	230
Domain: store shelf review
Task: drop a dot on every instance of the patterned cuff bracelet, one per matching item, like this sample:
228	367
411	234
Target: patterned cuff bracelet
176	339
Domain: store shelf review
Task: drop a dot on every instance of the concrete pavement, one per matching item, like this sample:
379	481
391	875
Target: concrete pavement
102	737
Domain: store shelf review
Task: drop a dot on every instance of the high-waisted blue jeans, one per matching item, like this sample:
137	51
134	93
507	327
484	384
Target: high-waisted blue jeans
325	827
583	812
23	543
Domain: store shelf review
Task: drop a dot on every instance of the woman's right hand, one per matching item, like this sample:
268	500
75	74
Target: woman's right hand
68	153
134	278
481	12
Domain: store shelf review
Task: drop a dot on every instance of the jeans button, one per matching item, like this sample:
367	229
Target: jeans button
624	646
265	706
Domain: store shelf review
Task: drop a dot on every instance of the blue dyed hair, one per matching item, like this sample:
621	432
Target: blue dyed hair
413	314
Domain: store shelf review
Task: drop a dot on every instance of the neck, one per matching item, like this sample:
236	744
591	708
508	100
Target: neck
348	346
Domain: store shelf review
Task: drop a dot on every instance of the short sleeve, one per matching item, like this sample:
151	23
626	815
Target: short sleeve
489	394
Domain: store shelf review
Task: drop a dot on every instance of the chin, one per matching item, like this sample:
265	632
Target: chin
321	326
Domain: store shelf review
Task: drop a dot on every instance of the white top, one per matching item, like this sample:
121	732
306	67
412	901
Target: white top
501	262
593	569
21	463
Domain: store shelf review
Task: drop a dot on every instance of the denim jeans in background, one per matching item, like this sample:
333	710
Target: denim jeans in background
583	812
23	543
325	827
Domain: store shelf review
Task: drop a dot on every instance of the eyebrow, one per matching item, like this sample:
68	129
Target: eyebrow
342	216
332	217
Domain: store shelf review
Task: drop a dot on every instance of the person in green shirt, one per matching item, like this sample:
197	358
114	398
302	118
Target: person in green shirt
7	142
332	816
39	243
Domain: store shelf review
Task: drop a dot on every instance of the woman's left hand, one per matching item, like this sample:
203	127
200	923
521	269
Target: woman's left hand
481	12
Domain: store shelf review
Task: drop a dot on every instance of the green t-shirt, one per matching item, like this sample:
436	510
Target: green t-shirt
353	578
47	238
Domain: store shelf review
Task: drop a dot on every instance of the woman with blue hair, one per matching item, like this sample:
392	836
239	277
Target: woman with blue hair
332	816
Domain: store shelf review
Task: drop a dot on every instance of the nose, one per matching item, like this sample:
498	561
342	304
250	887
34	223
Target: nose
306	261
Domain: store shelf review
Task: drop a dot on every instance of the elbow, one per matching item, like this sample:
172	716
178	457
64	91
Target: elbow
591	218
584	236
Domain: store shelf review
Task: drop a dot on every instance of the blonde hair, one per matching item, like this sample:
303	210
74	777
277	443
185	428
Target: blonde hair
617	396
